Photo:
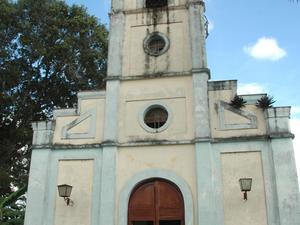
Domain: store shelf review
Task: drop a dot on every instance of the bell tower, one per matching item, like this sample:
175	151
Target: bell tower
160	39
157	86
157	37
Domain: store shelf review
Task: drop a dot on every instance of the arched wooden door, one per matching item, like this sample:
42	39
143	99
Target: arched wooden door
156	202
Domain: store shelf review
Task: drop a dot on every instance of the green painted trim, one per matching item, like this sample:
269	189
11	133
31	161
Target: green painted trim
156	173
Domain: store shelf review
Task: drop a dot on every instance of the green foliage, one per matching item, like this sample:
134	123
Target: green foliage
12	208
48	52
238	102
265	102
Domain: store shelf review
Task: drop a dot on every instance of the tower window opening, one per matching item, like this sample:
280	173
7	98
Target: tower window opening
156	44
156	117
156	3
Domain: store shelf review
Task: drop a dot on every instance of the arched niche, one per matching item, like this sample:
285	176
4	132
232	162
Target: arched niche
156	174
156	202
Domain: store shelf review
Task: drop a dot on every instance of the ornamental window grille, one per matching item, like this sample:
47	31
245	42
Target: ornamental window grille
156	117
156	44
156	3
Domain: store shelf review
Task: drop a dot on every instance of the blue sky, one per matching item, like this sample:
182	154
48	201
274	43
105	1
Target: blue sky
256	42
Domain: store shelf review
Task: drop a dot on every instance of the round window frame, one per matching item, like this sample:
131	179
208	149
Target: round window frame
148	39
146	109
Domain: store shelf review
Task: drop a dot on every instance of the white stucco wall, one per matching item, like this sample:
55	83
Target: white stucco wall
232	118
175	93
93	124
237	211
79	174
174	26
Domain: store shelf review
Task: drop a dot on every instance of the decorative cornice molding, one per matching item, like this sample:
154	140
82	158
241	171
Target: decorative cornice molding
222	85
137	143
144	10
149	76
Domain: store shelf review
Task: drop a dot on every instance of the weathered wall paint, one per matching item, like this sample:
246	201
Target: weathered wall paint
238	165
79	174
174	26
132	160
174	93
196	148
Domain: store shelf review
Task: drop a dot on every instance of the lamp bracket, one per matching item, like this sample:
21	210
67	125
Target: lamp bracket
69	201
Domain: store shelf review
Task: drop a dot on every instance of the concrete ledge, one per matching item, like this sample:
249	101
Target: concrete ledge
201	70
64	112
91	94
150	76
196	2
142	9
222	85
164	142
55	147
278	112
252	98
43	125
281	135
278	120
43	132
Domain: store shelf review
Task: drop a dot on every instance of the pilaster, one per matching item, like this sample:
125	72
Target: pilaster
111	111
204	166
207	213
201	108
38	179
116	36
196	10
200	73
109	156
37	187
285	173
117	5
108	185
43	132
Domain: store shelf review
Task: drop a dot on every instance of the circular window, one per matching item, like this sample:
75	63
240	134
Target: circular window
156	44
155	118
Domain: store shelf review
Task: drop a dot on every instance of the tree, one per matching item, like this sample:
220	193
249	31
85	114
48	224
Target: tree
12	208
48	52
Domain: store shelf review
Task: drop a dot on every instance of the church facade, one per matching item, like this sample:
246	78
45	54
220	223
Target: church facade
163	144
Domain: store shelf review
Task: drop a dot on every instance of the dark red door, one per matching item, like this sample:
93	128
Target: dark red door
156	202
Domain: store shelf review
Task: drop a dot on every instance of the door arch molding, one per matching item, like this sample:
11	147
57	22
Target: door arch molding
156	173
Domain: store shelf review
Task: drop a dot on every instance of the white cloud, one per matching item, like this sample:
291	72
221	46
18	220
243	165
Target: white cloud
295	110
211	26
251	88
295	127
265	48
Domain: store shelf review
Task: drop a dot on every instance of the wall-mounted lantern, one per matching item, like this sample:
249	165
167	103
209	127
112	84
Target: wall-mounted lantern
245	184
64	190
